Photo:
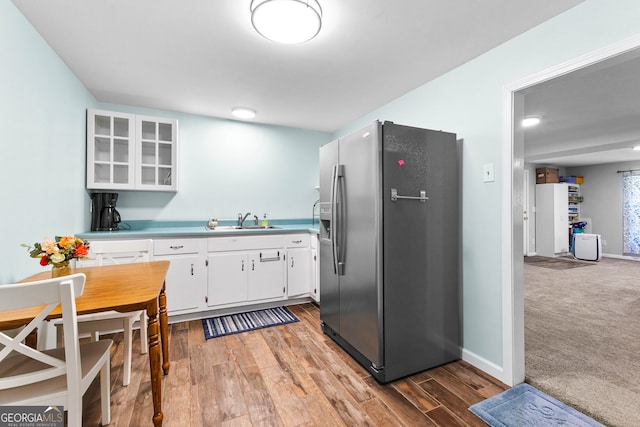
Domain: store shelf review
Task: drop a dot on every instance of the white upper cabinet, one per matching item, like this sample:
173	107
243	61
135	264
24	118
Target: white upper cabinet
156	150
129	152
110	150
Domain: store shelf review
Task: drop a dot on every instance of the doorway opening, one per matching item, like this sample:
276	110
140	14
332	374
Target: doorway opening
513	169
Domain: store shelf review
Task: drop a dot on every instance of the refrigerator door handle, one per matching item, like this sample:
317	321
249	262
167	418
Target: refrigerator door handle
334	243
338	236
395	196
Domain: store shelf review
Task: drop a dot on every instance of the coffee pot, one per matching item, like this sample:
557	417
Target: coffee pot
104	216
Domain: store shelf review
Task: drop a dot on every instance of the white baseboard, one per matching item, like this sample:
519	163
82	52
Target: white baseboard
485	365
628	258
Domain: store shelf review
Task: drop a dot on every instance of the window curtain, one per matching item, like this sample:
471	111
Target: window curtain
631	213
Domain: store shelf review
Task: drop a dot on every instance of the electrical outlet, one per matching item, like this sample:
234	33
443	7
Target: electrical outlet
488	173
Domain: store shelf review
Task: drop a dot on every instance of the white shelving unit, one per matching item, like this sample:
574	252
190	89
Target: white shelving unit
574	199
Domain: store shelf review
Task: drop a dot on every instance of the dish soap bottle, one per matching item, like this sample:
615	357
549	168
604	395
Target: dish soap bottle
265	223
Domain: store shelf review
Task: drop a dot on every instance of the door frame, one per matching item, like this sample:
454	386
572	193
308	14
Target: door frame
512	203
526	214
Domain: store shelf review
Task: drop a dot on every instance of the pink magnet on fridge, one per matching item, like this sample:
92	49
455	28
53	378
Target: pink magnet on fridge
400	162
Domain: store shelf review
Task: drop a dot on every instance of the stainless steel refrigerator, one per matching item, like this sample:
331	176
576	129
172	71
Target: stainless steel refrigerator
389	248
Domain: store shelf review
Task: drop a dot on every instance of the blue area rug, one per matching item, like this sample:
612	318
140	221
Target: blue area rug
243	322
523	406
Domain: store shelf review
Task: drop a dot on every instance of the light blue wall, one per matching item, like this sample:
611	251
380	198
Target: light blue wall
227	167
42	134
467	101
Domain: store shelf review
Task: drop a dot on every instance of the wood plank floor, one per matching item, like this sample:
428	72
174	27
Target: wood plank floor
290	375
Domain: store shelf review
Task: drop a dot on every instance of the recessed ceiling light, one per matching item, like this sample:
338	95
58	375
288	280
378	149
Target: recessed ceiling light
529	121
243	113
637	148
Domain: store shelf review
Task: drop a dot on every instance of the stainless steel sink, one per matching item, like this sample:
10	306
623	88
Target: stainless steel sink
244	227
222	228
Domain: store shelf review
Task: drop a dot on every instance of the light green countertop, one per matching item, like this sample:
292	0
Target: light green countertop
149	228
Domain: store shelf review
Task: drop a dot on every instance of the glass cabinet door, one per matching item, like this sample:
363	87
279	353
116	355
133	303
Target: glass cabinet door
156	153
110	150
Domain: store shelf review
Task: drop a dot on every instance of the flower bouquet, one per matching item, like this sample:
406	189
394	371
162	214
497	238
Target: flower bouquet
59	252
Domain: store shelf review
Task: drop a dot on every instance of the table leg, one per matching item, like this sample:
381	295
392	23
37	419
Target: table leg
164	329
154	363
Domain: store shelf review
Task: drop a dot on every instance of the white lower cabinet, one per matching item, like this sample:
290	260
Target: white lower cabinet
245	269
266	278
187	275
222	272
227	279
315	269
298	271
298	265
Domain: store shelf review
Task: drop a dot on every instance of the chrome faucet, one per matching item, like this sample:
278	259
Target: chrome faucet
255	218
241	218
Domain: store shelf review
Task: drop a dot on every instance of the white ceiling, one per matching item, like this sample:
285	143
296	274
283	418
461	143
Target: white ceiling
590	116
203	56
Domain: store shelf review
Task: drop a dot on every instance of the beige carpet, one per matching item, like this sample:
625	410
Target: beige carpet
582	337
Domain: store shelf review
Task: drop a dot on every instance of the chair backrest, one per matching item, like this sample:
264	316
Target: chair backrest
48	293
122	251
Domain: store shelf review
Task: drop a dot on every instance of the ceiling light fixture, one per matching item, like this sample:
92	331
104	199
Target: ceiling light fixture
636	148
243	113
286	21
529	121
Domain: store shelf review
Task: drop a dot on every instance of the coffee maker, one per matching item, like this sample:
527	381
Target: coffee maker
104	216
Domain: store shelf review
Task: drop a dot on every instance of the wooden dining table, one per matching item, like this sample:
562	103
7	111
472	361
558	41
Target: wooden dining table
123	288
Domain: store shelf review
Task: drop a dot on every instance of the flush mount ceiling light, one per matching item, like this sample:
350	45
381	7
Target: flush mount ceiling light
529	121
243	113
286	21
636	148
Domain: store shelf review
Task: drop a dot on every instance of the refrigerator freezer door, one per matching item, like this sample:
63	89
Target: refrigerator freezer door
329	290
359	240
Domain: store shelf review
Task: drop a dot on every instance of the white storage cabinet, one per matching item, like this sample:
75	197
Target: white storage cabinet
186	281
552	219
315	268
245	269
298	265
129	152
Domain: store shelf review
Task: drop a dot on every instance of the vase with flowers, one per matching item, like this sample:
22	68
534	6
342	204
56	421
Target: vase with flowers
59	253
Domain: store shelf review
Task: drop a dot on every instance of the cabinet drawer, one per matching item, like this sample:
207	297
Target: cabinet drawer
243	243
175	246
297	241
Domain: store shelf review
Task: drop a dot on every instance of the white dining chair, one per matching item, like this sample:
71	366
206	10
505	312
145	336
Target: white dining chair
57	377
117	252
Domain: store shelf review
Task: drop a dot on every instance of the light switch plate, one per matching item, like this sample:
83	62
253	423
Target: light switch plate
488	173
